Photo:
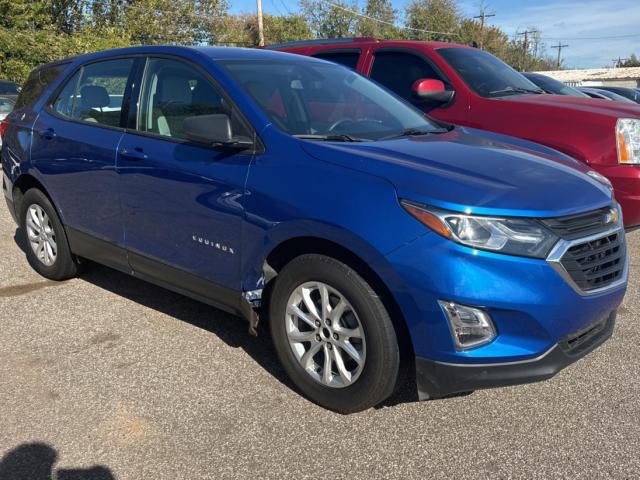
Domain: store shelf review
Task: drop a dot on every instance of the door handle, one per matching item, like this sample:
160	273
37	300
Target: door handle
49	134
136	154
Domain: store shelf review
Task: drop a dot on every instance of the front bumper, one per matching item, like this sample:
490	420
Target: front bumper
439	379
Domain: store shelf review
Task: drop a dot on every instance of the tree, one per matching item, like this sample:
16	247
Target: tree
632	61
435	16
329	20
378	20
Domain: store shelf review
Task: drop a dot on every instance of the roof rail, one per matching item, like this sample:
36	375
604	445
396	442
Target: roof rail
319	41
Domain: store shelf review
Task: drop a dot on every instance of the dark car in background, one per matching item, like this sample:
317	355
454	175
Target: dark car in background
9	89
6	107
630	93
551	85
599	93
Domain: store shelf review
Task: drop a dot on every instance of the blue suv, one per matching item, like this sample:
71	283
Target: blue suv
372	238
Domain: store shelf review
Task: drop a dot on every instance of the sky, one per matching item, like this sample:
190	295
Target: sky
580	24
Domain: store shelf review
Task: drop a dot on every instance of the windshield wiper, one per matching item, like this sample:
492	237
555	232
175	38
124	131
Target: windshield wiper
514	90
332	138
415	132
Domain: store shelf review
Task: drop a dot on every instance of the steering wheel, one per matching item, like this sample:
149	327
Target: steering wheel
339	123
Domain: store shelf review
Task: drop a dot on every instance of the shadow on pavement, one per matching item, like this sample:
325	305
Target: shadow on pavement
231	329
36	461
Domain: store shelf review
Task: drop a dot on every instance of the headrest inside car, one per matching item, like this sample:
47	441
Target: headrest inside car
94	96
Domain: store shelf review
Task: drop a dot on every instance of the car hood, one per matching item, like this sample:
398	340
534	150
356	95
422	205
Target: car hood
474	171
586	105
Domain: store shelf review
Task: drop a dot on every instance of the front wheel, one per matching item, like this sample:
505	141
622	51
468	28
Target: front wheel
333	335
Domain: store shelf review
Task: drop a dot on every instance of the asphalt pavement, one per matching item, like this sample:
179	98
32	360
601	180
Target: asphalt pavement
106	376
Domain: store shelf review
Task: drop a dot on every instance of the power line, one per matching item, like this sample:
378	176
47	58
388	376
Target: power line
359	14
593	38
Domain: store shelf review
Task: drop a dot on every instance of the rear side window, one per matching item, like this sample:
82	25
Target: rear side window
95	93
37	83
398	71
348	59
173	91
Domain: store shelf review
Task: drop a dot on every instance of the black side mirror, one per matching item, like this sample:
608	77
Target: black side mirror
214	129
209	129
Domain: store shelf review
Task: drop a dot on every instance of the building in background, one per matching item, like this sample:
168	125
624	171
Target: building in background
593	77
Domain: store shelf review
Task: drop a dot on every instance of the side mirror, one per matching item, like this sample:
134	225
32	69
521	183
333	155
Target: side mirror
431	90
209	129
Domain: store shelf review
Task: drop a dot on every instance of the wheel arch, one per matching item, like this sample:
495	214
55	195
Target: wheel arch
24	183
289	249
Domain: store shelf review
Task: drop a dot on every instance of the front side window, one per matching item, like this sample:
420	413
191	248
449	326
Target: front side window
485	74
398	71
314	98
95	93
173	91
348	59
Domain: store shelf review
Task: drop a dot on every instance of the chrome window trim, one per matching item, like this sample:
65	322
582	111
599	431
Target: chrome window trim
555	256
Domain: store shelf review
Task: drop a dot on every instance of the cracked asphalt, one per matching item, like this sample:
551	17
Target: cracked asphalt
107	377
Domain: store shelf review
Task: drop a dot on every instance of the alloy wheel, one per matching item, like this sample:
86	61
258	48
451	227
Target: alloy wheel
42	237
325	334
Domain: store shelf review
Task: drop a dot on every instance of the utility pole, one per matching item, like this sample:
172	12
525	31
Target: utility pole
483	16
560	46
260	25
525	47
617	62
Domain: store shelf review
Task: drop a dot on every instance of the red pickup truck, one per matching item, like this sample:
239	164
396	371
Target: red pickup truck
467	86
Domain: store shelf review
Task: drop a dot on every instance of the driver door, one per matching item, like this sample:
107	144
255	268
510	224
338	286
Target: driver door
181	200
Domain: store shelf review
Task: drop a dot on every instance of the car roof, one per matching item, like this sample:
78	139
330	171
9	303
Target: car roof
214	53
358	41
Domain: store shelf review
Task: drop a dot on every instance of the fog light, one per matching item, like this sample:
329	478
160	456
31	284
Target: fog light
470	327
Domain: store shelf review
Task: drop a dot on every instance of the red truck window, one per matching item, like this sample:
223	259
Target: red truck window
399	70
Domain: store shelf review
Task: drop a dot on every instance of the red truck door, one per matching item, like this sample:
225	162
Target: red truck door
397	68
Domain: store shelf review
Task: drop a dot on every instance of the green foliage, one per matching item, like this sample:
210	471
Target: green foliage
33	32
375	12
433	15
632	61
330	20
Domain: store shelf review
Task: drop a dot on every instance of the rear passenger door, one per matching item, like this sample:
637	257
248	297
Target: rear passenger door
181	199
75	141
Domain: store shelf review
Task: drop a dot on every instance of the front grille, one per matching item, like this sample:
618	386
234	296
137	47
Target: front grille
581	225
596	263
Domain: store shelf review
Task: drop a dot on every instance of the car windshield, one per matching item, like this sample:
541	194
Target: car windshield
551	85
324	101
487	75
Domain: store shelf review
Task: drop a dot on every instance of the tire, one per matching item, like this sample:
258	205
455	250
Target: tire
55	260
356	386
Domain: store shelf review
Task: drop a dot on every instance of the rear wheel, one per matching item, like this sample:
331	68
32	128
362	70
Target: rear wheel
45	239
333	335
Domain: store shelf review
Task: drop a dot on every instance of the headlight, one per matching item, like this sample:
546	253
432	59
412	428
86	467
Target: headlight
513	236
628	140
